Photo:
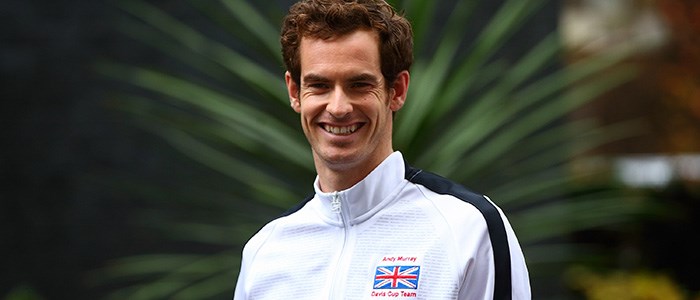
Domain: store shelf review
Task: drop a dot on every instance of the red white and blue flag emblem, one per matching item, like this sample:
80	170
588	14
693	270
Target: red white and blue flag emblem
396	277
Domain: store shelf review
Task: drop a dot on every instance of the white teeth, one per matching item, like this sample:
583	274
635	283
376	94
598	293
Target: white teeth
340	130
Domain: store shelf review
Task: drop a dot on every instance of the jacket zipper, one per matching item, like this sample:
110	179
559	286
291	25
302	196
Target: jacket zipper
340	272
336	206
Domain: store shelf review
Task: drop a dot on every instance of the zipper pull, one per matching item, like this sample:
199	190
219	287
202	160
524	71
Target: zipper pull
335	203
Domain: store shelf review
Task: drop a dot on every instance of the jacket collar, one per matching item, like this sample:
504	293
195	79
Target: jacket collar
367	197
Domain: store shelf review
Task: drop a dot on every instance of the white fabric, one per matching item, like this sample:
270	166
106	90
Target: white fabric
384	221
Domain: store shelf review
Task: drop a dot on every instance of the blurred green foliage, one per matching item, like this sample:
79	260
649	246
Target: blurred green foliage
23	292
498	126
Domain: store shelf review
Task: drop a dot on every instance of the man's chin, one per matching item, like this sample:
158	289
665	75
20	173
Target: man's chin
340	160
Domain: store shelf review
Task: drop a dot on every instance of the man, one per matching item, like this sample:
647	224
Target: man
375	227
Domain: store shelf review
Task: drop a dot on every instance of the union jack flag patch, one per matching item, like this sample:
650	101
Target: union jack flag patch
396	277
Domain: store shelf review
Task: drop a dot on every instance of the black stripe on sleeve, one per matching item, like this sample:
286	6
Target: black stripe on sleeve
496	227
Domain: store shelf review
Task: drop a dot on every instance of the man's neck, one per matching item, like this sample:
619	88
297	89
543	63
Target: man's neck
337	178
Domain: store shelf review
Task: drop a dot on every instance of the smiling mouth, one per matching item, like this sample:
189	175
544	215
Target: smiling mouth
341	130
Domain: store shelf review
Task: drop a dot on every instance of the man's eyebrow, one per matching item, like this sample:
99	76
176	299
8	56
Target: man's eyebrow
314	78
364	77
357	78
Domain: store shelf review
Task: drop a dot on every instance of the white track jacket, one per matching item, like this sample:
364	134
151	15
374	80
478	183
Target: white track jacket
401	233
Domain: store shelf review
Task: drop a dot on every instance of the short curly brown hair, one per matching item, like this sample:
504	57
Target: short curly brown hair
324	19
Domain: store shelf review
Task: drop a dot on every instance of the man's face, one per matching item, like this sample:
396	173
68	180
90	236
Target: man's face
344	103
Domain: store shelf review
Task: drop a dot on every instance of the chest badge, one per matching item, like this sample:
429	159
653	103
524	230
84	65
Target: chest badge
396	277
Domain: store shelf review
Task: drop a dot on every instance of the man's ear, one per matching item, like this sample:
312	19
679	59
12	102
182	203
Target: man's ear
293	91
399	90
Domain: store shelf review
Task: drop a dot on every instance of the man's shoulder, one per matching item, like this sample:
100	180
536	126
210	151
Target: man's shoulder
452	196
497	228
272	223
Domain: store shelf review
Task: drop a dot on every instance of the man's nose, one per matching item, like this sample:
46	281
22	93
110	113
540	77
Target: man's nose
339	104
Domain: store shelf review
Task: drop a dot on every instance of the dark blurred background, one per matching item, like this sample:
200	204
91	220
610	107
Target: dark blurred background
62	147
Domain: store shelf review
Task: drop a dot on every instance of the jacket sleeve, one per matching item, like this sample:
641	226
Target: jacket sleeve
248	257
479	278
519	275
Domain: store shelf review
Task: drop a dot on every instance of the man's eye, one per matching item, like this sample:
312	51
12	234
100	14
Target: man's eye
360	85
318	86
